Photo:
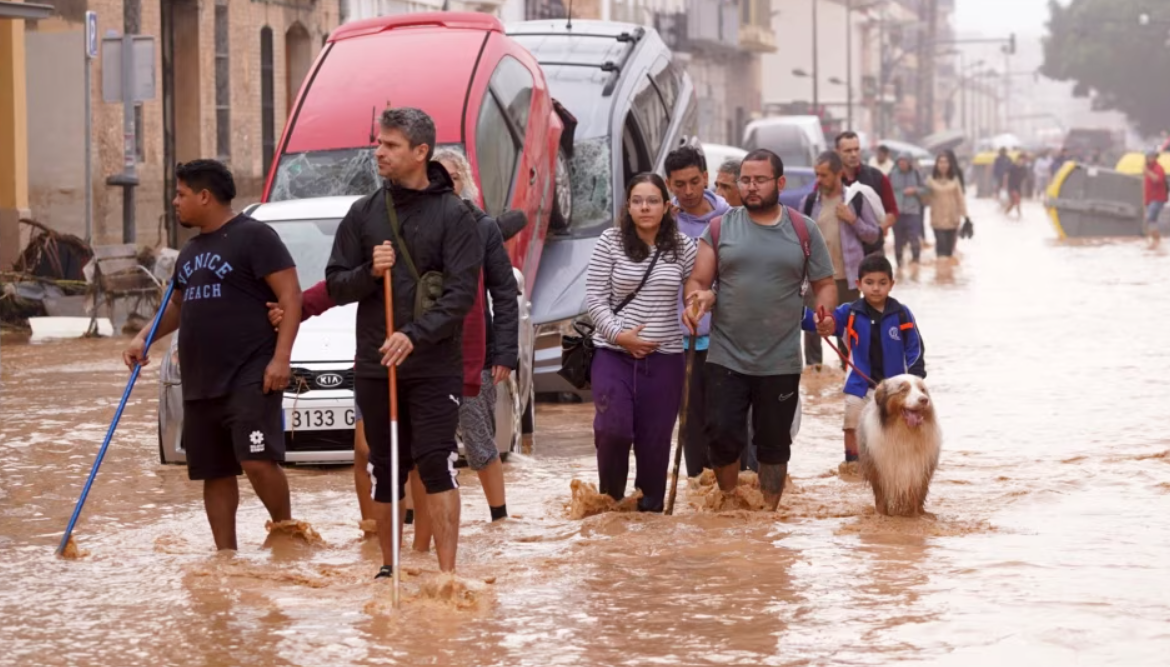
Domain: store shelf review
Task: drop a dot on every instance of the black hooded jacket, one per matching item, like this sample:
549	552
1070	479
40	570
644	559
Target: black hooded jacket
502	316
442	236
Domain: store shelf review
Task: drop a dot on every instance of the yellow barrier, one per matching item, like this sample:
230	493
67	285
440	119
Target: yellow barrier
1134	163
1054	193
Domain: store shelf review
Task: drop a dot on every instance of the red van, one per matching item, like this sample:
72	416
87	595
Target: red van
486	93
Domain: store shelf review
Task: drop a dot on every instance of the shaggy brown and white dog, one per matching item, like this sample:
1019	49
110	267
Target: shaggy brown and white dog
899	443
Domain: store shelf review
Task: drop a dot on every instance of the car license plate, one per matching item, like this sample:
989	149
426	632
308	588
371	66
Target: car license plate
318	419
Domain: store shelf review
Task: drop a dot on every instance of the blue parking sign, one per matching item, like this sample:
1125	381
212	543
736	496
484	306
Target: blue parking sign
91	36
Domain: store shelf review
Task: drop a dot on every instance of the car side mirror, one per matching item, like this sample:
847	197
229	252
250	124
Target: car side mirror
511	222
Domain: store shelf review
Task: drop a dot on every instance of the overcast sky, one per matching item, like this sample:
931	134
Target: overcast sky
1025	17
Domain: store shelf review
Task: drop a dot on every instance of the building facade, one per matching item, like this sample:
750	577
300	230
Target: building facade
226	74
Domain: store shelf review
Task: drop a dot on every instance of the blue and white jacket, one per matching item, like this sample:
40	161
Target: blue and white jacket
900	341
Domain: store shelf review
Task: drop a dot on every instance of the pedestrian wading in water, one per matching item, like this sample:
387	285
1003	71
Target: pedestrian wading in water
416	215
235	367
881	338
632	287
754	361
948	207
847	225
477	414
696	207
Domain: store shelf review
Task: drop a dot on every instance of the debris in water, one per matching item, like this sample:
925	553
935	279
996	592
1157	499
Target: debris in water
456	591
72	551
588	502
294	528
489	580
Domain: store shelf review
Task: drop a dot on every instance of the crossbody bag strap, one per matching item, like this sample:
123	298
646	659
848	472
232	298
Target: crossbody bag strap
394	227
630	297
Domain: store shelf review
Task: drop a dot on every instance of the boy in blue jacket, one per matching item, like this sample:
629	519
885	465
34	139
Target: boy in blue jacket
881	339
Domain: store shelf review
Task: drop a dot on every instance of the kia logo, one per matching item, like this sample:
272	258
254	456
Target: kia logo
329	380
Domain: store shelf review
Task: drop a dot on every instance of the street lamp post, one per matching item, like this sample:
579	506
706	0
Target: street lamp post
849	62
815	62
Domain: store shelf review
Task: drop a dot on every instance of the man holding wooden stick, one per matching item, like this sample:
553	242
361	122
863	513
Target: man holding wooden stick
418	230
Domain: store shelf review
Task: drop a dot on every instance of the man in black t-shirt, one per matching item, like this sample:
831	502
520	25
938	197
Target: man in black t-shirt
235	367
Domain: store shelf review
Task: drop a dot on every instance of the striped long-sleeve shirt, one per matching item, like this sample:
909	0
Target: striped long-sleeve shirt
612	276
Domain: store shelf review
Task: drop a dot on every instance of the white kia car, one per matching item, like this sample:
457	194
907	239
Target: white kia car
318	405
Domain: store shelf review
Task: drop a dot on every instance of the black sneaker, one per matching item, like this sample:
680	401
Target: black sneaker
385	573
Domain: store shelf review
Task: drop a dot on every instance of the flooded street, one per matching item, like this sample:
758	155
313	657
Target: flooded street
1048	544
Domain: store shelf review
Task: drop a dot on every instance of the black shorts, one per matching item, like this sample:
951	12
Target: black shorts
428	415
245	425
773	400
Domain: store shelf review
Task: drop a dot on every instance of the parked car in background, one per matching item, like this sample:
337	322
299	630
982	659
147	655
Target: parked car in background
801	181
487	95
716	155
318	405
632	106
798	140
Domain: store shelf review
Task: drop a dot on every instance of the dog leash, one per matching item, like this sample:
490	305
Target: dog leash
872	384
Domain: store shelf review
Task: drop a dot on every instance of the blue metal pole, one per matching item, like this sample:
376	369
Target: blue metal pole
114	424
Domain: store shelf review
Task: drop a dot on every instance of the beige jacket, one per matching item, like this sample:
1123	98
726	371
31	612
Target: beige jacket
948	206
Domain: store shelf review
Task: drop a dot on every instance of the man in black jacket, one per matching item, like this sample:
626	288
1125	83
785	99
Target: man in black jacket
439	235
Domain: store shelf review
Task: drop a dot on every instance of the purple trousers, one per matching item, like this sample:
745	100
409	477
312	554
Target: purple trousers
636	403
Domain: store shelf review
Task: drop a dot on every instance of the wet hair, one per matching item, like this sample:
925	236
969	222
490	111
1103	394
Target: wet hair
875	263
832	159
210	175
414	124
470	191
667	238
730	166
684	157
847	134
763	154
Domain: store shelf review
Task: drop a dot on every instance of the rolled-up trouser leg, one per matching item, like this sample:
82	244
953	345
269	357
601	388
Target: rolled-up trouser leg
774	400
613	419
658	381
728	398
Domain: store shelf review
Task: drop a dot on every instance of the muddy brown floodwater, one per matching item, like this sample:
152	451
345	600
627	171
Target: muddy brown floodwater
1049	542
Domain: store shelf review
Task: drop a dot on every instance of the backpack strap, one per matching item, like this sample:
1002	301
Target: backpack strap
904	324
801	228
798	225
809	202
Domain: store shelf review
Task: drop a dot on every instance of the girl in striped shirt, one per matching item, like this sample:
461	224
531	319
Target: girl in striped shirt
635	277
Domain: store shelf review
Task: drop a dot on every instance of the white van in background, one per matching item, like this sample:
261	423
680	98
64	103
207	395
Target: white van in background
798	140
